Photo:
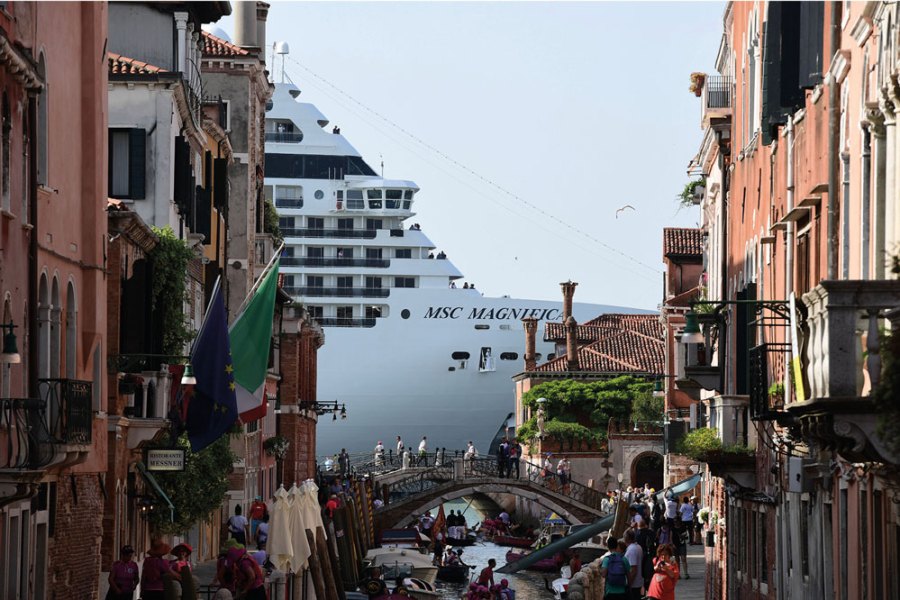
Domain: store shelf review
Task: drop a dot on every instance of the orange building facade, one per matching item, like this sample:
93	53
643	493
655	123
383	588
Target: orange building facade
799	219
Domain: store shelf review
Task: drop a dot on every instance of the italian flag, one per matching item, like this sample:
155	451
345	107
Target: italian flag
251	336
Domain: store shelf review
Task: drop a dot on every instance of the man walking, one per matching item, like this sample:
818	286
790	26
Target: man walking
400	448
344	462
635	555
615	569
502	458
423	452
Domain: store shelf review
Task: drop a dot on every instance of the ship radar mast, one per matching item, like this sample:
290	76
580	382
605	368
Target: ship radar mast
283	49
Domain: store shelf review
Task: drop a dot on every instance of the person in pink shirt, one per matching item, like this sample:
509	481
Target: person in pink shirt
155	568
123	576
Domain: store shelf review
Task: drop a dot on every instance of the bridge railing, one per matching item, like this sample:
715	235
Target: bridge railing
369	463
486	467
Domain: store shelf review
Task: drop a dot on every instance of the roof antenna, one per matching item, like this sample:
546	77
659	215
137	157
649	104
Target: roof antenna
381	156
283	49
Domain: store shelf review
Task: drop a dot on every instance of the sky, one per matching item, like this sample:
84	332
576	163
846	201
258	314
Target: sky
526	126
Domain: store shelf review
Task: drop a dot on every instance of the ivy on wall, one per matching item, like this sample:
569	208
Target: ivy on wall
169	291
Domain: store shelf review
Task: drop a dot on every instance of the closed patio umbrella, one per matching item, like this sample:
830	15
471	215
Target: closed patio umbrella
280	545
299	525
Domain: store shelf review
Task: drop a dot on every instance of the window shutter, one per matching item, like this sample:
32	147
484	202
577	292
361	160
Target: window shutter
183	184
137	163
220	183
771	74
812	28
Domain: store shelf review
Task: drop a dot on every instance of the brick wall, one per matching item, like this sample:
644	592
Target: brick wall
74	550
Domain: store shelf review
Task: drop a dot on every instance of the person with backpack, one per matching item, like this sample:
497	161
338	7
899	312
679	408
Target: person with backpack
156	569
615	570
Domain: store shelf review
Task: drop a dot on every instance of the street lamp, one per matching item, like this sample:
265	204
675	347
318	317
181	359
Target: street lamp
10	354
188	377
691	333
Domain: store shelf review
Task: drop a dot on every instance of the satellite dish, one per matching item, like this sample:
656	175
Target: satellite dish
217	31
282	48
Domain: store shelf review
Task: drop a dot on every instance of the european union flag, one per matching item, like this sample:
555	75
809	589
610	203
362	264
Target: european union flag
213	408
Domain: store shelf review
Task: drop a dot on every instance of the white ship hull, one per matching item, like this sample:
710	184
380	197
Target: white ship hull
405	351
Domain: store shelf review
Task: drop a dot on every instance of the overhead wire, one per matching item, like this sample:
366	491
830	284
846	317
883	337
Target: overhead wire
471	171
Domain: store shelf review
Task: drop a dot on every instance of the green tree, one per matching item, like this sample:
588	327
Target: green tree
170	259
270	223
198	490
647	407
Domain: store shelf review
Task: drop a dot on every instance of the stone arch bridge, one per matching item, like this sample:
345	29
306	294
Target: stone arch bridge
409	493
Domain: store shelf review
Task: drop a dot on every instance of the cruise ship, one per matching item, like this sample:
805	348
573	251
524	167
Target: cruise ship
408	349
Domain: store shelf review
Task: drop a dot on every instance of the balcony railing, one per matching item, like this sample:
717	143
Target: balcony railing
289	202
768	363
717	91
320	292
315	261
25	441
284	137
322	232
345	322
68	409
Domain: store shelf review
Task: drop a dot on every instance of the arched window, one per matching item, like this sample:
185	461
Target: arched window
55	334
71	331
44	328
42	126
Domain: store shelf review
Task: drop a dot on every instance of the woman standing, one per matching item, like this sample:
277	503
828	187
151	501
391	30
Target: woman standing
123	576
665	575
155	569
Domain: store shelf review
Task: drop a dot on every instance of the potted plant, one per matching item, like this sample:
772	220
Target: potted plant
693	192
276	446
697	81
776	394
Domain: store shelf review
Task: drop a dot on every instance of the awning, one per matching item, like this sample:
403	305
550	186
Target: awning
149	478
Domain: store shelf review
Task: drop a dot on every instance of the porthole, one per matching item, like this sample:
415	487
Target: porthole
482	327
404	313
460	355
509	356
319	194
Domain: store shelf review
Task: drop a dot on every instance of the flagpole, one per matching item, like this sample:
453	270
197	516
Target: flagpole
212	297
259	280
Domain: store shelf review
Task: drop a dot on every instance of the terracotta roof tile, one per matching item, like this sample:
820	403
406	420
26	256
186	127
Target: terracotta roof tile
682	241
216	46
621	344
122	65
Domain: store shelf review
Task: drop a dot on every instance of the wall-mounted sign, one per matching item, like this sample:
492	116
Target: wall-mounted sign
165	460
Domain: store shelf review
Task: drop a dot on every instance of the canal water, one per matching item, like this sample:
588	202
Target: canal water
529	585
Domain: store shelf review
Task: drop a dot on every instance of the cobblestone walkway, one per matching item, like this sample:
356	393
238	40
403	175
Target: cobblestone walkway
693	588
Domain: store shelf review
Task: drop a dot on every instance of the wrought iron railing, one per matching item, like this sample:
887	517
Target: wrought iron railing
68	409
718	91
26	442
767	364
281	202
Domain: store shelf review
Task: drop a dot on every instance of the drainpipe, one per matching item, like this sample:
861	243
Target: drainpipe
845	216
866	176
33	322
834	132
789	232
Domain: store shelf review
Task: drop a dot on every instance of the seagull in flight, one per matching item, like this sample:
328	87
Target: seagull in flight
623	208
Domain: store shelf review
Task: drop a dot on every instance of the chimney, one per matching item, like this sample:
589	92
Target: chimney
245	24
568	290
262	13
572	341
530	324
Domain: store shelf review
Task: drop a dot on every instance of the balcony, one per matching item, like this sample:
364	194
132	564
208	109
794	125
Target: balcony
349	292
288	202
68	410
323	232
345	322
717	99
26	442
284	137
843	365
315	261
768	365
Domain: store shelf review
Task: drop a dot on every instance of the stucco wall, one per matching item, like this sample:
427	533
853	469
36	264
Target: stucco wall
138	31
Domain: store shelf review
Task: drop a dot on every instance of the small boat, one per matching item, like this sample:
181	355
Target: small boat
512	540
469	540
454	573
395	561
545	565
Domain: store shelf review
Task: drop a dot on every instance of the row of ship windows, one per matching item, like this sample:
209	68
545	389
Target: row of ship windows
341	224
291	196
344	252
349	281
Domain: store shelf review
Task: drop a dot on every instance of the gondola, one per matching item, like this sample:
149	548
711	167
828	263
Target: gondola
454	573
469	540
547	565
513	540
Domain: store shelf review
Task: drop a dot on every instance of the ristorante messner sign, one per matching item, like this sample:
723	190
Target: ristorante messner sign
165	460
